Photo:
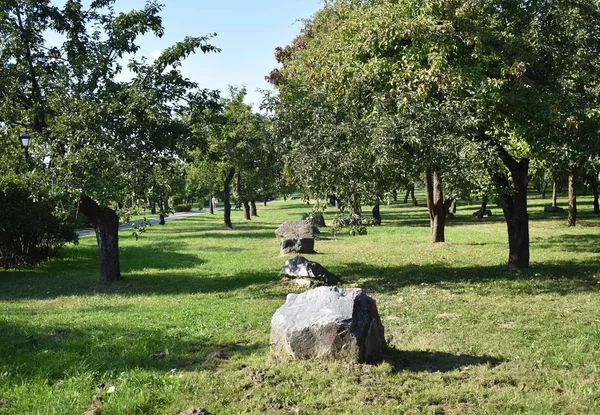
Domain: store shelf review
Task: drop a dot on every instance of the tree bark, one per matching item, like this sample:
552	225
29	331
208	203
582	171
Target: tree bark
211	207
253	210
407	195
554	194
513	195
246	210
395	194
152	205
412	196
544	185
572	220
594	183
106	225
453	206
436	206
226	198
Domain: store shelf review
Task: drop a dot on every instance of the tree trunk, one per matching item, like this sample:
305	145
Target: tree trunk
412	196
453	206
407	195
226	199
544	185
211	206
253	211
513	195
106	225
554	194
514	206
395	194
152	203
594	183
572	220
166	204
436	206
246	210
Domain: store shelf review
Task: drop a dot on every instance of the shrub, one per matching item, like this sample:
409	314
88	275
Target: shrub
29	230
182	208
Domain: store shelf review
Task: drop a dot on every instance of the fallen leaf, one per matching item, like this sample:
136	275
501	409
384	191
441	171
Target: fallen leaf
522	387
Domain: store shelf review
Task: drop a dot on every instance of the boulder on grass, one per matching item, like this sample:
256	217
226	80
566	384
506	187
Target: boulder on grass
553	209
328	323
478	214
318	219
294	229
301	269
297	246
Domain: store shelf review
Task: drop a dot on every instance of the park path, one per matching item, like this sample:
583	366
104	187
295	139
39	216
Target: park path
174	216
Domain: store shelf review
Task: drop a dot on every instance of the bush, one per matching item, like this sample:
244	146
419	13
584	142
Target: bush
182	208
29	230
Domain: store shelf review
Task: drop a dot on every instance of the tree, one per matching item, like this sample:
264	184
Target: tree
92	130
486	73
231	140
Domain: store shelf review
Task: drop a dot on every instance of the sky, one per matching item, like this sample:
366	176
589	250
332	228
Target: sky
248	31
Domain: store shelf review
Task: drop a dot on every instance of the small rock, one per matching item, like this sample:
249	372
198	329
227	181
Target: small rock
478	214
195	411
318	219
301	268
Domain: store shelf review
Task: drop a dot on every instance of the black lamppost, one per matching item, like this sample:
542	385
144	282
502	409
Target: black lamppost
25	141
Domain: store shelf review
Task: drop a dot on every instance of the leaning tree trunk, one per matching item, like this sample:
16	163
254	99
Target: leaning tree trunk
572	220
106	225
246	210
412	196
594	183
436	206
253	211
226	199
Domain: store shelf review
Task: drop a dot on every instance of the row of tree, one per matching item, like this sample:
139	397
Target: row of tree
103	140
473	96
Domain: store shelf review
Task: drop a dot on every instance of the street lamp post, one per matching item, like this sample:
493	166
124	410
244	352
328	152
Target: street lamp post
25	141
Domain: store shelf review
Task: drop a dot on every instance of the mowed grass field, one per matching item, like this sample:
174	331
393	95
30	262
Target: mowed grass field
189	325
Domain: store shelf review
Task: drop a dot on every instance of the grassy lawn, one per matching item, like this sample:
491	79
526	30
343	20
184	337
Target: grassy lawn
189	326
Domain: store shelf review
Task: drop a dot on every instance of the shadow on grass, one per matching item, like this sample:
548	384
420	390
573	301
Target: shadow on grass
569	242
54	353
560	278
426	361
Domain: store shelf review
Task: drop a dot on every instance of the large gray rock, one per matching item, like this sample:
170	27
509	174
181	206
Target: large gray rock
294	229
553	209
315	273
296	236
328	323
297	246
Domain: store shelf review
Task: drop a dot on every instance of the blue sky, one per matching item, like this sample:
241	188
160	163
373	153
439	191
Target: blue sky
247	33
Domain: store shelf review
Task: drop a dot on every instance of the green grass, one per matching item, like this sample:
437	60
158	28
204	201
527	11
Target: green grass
465	336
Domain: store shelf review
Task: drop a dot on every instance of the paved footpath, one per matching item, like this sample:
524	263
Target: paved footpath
175	216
